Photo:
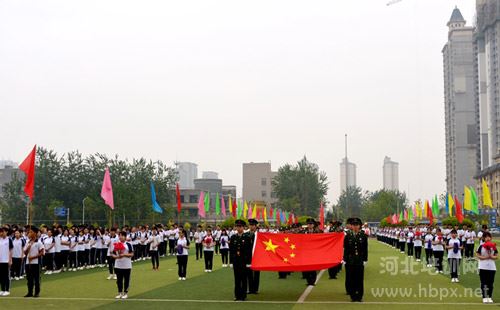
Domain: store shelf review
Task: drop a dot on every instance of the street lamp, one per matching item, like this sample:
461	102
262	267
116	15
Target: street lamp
83	210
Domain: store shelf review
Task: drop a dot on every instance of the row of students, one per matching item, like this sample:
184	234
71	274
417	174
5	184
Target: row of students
455	244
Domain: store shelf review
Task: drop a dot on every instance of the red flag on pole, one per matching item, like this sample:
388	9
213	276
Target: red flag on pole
321	217
28	167
235	208
458	210
297	252
178	191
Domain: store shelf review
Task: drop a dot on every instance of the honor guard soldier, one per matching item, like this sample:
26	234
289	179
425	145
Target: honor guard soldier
241	257
253	276
335	227
355	257
312	228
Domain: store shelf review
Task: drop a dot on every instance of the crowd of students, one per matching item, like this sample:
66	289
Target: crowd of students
456	243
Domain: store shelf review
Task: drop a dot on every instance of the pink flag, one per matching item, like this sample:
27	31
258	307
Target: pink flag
406	214
201	205
223	205
249	212
107	190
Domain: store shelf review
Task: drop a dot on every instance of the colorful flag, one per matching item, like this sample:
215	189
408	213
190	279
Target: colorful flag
429	214
156	205
410	213
297	252
240	209
179	202
201	205
230	203
245	209
107	190
475	201
265	215
28	167
467	199
418	208
401	218
235	209
207	202
249	214
394	219
435	206
486	195
450	204
223	207
217	204
254	211
458	210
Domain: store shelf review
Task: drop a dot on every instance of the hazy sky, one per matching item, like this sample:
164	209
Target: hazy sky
220	83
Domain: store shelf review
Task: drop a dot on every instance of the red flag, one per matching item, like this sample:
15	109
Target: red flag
430	216
178	191
235	207
458	210
278	218
271	212
295	219
297	252
388	219
321	217
28	167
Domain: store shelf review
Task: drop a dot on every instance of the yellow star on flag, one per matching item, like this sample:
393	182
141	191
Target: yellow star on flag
292	247
270	246
292	255
287	240
285	260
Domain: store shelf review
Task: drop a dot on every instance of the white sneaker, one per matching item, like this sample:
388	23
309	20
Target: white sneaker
209	271
183	279
119	296
16	278
180	278
49	272
453	280
489	300
456	280
114	277
1	293
110	277
440	271
124	296
8	293
485	300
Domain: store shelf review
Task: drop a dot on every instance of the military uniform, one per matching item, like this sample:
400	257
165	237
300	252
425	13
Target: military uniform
253	277
355	256
333	271
310	276
241	255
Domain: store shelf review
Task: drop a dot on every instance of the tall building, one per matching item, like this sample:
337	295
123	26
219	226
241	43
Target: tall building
7	174
487	81
351	174
257	183
460	113
391	174
188	172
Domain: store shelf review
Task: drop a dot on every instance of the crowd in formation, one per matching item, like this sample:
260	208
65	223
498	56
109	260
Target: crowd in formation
457	244
28	252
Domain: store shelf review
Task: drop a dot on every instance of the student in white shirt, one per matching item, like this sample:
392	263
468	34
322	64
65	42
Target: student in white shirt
469	237
123	265
198	239
17	255
113	238
182	254
224	248
80	258
208	250
65	244
6	247
57	255
438	250
410	235
454	254
487	254
73	250
154	243
33	250
417	243
50	250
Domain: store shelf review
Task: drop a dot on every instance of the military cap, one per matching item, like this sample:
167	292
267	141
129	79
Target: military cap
356	221
239	223
310	221
253	222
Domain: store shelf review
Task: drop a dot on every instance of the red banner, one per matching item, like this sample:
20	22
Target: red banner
297	252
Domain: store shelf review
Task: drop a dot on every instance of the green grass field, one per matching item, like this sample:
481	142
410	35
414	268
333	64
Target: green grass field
159	290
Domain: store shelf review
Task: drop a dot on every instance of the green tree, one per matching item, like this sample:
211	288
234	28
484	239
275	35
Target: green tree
380	204
300	188
350	202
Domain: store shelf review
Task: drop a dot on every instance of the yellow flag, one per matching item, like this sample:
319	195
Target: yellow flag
245	210
426	206
254	211
419	210
265	215
450	204
486	195
230	205
467	199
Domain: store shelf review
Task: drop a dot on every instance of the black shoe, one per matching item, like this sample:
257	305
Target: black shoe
36	295
28	295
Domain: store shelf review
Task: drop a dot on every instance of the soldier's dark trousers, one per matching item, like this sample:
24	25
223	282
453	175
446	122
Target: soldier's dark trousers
332	272
310	277
240	282
253	281
354	277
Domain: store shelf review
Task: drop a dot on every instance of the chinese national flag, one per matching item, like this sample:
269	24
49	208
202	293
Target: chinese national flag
28	167
297	252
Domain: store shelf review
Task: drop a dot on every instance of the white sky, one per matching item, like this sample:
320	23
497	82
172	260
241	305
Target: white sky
220	83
